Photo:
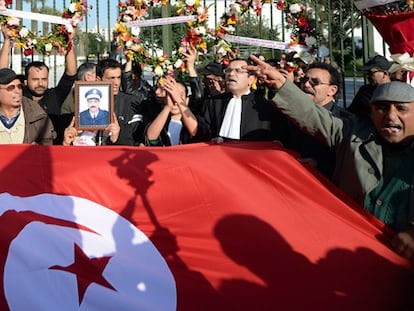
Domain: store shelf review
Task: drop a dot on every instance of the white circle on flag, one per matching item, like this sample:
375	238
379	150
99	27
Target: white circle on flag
53	244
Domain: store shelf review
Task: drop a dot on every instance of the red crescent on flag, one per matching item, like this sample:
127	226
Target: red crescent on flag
16	222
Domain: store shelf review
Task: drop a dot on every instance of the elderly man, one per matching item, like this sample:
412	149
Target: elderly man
22	121
376	70
94	115
374	158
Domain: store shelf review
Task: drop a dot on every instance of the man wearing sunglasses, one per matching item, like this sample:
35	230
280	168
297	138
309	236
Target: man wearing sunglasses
321	83
22	121
376	71
374	157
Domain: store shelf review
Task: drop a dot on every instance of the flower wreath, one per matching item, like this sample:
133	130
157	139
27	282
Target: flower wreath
128	38
303	31
197	34
57	39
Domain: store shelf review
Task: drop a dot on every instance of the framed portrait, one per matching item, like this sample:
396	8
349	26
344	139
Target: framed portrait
93	105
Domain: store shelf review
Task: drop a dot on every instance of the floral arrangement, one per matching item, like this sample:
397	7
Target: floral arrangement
303	31
196	35
128	38
395	22
227	26
391	7
58	38
246	5
12	23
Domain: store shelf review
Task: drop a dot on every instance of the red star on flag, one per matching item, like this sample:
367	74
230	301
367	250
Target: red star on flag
87	271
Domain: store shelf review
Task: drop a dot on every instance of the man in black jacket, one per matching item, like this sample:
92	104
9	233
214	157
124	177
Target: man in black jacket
129	111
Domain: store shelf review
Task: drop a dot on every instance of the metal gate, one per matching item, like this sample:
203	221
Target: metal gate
346	36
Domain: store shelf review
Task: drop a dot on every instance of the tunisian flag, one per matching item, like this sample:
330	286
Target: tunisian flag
238	226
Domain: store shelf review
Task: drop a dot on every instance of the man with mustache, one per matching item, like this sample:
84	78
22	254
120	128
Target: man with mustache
375	164
21	121
321	82
94	115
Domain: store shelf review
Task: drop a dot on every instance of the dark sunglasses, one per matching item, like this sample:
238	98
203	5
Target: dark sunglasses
313	81
11	87
371	73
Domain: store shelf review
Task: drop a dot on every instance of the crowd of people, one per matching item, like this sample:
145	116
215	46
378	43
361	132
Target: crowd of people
366	149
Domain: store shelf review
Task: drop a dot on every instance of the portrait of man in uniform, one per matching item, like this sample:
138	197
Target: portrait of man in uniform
94	107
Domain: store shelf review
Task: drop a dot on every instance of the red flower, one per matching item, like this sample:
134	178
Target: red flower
66	15
28	52
281	5
302	21
8	2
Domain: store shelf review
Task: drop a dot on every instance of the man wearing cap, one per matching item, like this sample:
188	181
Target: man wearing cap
374	158
22	121
94	115
376	70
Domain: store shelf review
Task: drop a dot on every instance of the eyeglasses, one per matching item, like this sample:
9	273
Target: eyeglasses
11	87
313	81
236	70
371	73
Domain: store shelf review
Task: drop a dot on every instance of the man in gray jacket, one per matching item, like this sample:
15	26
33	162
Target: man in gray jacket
374	159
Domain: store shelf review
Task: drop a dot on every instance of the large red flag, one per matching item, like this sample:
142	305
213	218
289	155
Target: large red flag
238	226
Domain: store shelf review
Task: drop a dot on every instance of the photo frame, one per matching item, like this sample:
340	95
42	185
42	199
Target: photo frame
93	105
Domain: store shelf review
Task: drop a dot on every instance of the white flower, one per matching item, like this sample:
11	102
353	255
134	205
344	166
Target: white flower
178	63
295	8
72	7
190	2
201	30
310	41
229	29
48	47
23	32
128	44
14	21
200	10
221	51
34	41
158	71
235	9
135	31
126	18
69	28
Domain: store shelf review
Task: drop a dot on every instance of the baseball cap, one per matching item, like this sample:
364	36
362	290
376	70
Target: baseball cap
93	94
377	61
394	91
212	68
7	75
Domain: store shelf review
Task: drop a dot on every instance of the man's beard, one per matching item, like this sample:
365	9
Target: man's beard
36	94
